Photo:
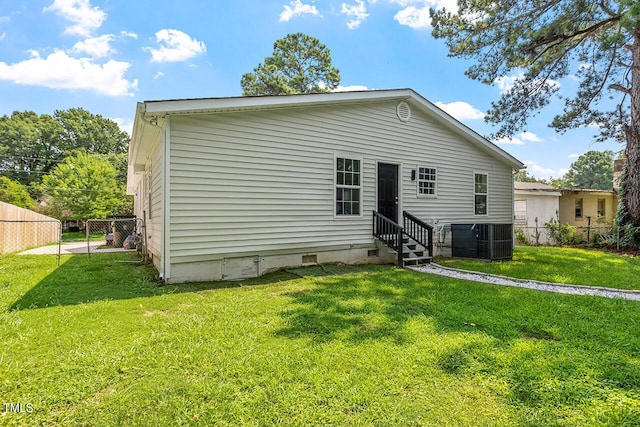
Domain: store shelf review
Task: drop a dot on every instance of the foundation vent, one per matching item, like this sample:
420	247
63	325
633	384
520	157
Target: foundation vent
309	259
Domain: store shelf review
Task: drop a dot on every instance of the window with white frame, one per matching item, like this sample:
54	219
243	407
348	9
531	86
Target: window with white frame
348	186
481	193
426	181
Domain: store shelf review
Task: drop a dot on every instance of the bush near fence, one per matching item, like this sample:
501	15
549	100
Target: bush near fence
543	236
21	229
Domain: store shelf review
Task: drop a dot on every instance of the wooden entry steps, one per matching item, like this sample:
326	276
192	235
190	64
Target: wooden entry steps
413	253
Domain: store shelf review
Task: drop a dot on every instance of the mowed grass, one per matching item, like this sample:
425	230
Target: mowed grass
561	265
97	342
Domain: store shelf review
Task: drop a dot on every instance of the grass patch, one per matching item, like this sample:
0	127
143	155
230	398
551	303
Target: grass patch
561	265
97	342
81	236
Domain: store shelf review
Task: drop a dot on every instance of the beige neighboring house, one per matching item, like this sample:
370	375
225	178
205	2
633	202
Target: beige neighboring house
236	187
534	201
583	208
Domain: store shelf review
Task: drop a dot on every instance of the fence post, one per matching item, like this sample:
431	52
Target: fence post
59	241
87	232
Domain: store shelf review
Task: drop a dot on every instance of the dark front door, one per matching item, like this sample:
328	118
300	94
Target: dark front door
388	190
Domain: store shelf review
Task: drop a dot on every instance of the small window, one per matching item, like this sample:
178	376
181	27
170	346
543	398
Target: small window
426	181
601	208
348	186
481	193
578	208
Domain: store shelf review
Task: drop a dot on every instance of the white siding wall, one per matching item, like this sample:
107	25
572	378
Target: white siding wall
154	205
246	183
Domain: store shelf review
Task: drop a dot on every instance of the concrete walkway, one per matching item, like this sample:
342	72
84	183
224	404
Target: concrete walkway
71	248
560	288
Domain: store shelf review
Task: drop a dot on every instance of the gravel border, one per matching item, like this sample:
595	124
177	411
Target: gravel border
560	288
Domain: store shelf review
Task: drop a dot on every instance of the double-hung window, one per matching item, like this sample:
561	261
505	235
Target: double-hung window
348	186
578	208
481	193
426	181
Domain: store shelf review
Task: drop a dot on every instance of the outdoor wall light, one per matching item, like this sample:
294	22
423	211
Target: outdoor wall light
413	174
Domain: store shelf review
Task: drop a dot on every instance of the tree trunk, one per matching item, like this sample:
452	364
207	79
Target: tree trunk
631	197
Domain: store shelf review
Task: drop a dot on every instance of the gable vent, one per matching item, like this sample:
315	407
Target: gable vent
403	111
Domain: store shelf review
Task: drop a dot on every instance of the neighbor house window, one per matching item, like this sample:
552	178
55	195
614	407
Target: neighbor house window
578	208
348	186
426	181
601	209
481	193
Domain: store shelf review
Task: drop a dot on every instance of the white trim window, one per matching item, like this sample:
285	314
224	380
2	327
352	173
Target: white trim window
481	193
348	186
427	181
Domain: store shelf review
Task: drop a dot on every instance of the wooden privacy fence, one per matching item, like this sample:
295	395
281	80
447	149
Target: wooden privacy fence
21	229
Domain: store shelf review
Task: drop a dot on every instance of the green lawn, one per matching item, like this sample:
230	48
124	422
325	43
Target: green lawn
97	342
561	265
81	236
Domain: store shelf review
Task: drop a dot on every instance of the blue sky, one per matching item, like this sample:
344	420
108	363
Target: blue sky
106	55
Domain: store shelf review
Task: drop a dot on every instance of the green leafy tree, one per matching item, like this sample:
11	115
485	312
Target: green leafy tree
90	132
29	146
15	193
593	170
84	186
541	42
300	64
524	176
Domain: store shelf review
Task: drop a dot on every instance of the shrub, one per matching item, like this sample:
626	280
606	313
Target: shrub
563	234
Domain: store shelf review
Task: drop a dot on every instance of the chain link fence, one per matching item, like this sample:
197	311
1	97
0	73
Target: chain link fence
571	235
116	235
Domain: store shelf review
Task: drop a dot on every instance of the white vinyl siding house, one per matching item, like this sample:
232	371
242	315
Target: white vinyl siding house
241	186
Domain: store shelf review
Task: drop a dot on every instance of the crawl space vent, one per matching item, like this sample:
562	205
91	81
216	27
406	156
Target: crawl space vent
403	111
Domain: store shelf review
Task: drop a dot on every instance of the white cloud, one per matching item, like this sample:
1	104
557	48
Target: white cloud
65	72
530	136
124	124
351	88
175	46
158	75
3	36
573	156
414	17
129	34
538	170
4	19
415	13
506	83
461	110
357	13
521	139
509	141
96	47
297	8
84	17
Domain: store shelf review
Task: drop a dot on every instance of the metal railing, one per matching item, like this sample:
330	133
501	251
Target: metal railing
418	230
388	232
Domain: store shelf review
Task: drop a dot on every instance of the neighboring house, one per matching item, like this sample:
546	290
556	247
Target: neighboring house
587	210
535	204
582	208
235	187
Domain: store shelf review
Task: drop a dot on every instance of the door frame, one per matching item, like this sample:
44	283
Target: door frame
399	184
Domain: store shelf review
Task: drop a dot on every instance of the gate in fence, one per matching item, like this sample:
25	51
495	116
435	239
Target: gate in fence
116	235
